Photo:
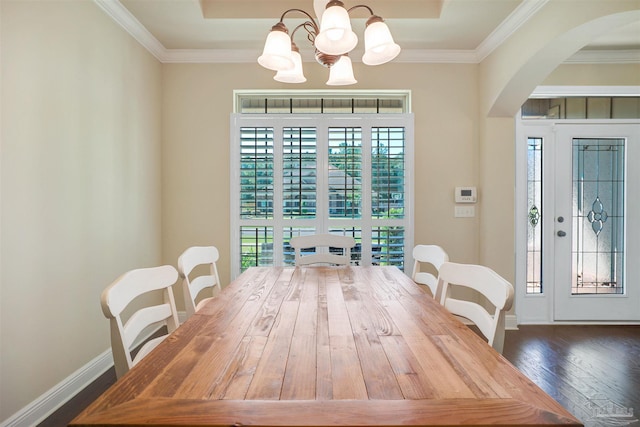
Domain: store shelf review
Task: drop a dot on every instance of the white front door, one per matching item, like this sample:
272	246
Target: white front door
596	223
578	219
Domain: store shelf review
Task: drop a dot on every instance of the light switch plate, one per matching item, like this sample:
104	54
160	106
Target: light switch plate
464	211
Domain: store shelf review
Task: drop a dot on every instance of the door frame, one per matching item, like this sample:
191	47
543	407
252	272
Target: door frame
539	308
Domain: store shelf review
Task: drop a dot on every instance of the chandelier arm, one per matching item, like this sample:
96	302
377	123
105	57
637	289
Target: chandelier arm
312	22
295	29
312	32
309	27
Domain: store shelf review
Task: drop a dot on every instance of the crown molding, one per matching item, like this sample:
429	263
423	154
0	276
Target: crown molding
131	25
415	56
515	20
510	25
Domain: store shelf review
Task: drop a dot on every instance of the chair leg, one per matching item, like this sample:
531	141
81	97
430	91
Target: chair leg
498	338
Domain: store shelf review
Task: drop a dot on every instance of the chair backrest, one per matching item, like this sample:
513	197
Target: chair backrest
117	296
192	287
323	240
497	290
428	254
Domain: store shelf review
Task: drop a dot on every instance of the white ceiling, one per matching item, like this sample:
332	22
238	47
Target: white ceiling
427	30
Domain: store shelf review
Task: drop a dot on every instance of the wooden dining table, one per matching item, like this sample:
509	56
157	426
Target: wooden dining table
324	346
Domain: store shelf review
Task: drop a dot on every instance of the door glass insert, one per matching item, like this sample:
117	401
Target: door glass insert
387	172
299	173
387	246
534	216
598	216
256	172
345	172
256	247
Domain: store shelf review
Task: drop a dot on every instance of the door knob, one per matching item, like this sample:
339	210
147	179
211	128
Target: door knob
561	233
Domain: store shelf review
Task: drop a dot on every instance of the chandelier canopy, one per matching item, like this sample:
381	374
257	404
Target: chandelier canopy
333	39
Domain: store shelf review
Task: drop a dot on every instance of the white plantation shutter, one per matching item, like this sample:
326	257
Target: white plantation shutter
298	174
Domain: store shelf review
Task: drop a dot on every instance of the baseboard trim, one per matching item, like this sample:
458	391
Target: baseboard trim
45	405
61	393
511	322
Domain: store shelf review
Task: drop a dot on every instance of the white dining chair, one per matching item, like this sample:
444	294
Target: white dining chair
195	287
497	290
125	333
428	254
345	243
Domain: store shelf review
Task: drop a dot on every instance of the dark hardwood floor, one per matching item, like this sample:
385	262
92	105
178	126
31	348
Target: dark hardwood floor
73	407
593	371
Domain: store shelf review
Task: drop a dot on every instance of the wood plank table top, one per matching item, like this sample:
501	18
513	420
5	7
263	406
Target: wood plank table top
324	346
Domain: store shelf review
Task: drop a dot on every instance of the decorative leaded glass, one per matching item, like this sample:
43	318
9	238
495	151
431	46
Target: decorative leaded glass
598	216
534	228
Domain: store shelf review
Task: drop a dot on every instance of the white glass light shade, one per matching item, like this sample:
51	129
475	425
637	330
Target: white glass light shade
336	36
379	45
341	73
277	52
294	75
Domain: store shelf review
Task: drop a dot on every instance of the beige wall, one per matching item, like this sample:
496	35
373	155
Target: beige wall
454	146
80	185
594	75
198	101
89	122
497	161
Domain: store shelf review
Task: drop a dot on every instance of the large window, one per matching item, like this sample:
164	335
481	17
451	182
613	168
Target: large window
303	174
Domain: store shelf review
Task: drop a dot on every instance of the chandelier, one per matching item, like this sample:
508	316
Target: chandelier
333	39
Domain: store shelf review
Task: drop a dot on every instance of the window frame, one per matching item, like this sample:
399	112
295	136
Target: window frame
321	122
